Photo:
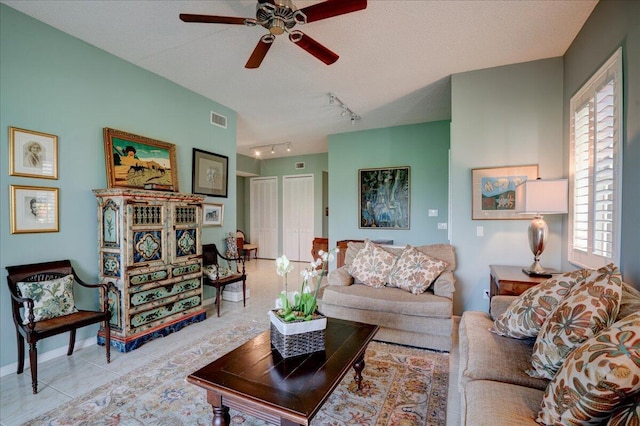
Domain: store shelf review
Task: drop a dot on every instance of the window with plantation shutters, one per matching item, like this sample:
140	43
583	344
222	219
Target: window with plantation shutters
596	152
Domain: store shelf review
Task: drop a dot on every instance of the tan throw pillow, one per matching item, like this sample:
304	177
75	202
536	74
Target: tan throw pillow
51	299
599	376
526	314
372	265
415	271
587	309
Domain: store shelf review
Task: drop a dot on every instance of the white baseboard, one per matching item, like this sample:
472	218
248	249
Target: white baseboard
46	356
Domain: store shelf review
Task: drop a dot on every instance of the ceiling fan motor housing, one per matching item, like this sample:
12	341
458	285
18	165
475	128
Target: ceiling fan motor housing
278	17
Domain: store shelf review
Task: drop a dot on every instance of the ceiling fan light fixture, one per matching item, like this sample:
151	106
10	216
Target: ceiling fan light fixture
277	27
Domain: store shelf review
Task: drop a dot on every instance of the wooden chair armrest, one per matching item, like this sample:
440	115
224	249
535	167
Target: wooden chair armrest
104	289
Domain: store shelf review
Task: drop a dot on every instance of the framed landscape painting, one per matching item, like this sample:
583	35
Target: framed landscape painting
385	196
210	173
212	214
135	161
494	191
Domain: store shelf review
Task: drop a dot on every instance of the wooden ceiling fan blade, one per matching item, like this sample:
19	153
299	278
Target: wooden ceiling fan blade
316	49
260	51
332	8
212	19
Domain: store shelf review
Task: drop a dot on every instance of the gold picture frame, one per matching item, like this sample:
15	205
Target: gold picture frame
33	154
34	209
493	191
134	161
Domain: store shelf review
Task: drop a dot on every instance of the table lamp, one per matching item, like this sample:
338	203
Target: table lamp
538	197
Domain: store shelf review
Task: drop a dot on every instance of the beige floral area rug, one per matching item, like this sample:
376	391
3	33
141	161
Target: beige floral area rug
401	386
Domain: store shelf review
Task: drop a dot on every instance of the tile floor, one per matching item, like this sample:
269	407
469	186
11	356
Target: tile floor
64	378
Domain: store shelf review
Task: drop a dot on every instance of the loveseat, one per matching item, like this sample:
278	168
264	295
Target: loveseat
423	320
496	390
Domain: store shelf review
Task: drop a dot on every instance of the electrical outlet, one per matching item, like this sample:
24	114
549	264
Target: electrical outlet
486	294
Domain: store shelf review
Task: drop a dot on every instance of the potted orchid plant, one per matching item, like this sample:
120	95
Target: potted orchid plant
301	305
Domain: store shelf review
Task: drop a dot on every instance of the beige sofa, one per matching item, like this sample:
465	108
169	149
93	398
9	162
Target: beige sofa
423	320
495	390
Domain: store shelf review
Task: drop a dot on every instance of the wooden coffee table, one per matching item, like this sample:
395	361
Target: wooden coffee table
256	380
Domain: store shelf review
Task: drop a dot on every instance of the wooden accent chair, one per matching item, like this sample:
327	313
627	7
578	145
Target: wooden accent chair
220	276
42	306
244	247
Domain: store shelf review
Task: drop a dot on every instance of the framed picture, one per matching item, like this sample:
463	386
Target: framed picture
34	209
384	196
33	154
135	161
212	214
210	173
494	191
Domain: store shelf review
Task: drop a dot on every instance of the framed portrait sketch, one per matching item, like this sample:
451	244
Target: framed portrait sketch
33	154
34	209
385	196
210	174
494	191
212	214
135	161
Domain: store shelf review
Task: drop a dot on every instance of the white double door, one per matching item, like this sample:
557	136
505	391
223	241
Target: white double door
298	217
264	216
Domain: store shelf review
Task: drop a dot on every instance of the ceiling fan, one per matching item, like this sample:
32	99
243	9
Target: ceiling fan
280	16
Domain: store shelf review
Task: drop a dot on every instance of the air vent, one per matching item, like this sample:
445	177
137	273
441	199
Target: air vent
218	120
299	165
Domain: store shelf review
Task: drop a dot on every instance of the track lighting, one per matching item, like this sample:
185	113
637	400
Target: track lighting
258	149
346	111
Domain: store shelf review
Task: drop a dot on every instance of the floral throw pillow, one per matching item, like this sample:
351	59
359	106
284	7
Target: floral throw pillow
415	271
587	309
372	265
525	316
51	299
598	379
627	414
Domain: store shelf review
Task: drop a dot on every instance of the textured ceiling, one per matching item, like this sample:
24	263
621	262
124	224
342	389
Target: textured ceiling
396	56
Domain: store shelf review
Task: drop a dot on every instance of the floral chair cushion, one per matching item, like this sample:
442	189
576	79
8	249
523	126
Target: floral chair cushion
587	309
415	271
51	299
598	380
525	316
211	271
372	265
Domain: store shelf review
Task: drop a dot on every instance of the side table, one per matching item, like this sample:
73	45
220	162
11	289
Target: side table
510	280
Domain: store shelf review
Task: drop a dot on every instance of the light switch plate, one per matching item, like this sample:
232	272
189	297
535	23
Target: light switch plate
442	225
433	212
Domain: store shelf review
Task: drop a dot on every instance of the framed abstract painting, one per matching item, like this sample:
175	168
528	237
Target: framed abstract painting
384	197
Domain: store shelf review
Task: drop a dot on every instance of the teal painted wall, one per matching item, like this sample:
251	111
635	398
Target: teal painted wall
504	116
53	83
424	147
315	164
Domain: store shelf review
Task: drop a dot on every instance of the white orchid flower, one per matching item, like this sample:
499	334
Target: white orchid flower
283	266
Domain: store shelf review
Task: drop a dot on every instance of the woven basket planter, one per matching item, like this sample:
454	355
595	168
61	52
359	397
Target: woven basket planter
297	338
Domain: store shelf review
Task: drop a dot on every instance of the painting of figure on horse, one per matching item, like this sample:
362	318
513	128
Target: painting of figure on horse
135	161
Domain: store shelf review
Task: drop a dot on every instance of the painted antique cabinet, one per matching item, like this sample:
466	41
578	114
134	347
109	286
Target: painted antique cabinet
150	255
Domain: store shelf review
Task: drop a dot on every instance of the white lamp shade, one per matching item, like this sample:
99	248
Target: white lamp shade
549	196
